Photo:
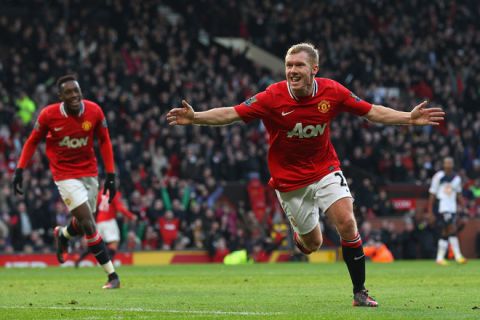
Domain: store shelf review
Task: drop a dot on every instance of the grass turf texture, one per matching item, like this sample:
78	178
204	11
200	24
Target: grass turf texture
405	290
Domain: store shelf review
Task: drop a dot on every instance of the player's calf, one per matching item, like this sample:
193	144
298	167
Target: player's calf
97	247
73	229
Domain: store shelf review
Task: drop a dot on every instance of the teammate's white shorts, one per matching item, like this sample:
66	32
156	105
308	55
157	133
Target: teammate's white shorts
109	230
302	205
74	192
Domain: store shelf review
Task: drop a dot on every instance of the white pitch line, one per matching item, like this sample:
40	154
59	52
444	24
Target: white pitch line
212	312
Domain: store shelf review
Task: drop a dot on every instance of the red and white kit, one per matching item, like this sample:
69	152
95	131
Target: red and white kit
69	149
106	216
301	155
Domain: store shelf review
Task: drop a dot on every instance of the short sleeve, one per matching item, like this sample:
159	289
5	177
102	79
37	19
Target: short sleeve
458	184
435	184
352	103
255	107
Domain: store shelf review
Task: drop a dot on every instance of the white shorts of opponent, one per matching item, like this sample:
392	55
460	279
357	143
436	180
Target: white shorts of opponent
74	192
109	231
302	205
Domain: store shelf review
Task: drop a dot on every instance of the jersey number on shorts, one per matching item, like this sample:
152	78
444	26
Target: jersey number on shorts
342	179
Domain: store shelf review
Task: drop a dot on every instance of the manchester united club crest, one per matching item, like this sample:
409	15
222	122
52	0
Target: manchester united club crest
323	106
86	125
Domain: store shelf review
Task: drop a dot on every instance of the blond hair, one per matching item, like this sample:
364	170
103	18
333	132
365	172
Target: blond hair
305	47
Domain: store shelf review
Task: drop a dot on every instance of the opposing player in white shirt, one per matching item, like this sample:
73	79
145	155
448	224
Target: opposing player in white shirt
446	188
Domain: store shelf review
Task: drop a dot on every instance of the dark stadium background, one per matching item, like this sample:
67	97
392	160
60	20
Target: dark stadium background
137	59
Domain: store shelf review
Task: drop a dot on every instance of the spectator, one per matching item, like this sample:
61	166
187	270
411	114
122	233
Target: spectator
168	226
136	69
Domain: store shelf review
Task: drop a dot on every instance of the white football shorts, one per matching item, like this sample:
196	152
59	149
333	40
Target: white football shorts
302	205
109	230
75	192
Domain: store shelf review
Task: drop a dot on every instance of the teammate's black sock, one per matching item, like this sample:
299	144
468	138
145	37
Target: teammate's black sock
73	229
98	248
112	276
354	257
111	253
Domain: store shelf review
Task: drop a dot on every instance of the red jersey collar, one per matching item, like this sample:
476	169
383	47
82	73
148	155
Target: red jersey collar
314	93
64	112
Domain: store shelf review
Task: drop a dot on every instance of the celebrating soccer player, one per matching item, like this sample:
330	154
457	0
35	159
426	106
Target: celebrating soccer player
303	164
69	128
446	188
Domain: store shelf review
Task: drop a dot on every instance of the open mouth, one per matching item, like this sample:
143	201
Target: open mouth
295	79
75	102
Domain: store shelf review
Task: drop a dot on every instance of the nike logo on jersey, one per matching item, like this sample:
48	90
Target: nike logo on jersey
358	258
57	129
286	113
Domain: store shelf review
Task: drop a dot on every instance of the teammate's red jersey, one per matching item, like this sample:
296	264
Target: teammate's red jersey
108	211
69	141
299	134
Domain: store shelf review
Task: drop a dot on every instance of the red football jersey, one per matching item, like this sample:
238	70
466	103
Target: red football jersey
300	150
69	141
108	211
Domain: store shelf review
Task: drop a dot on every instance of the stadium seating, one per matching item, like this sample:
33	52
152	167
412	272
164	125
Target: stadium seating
137	59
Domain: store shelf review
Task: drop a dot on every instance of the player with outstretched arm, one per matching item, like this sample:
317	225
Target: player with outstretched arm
69	127
304	167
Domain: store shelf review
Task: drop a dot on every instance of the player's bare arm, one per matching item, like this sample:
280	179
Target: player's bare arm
419	116
431	201
213	117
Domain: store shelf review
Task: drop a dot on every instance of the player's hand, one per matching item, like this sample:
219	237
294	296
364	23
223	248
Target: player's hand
110	186
17	181
181	116
421	116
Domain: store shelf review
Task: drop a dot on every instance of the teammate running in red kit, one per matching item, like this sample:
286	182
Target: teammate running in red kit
69	128
303	164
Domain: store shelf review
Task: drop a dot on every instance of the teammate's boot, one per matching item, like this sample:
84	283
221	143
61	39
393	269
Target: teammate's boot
442	262
461	260
362	299
299	244
61	244
113	282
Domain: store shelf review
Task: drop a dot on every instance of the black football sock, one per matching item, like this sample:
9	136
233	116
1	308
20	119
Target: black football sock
72	230
354	257
111	253
98	248
112	276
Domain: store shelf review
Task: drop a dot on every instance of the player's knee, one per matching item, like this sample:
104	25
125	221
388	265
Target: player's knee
316	244
347	228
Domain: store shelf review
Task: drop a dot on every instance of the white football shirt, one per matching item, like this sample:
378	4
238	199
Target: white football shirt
446	188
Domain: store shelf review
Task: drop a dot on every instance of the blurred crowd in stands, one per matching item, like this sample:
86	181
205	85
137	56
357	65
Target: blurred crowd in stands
137	59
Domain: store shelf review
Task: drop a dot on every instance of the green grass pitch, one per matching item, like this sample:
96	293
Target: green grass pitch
405	290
